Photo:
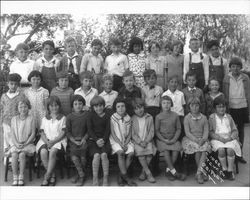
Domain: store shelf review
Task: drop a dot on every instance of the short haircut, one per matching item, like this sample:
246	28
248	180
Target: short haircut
62	74
54	99
173	77
167	45
35	73
119	100
194	100
138	103
219	101
189	73
77	97
69	40
22	46
96	42
235	61
86	75
167	98
153	43
134	41
194	39
148	73
50	43
176	43
115	41
97	100
14	77
212	43
107	77
24	101
127	73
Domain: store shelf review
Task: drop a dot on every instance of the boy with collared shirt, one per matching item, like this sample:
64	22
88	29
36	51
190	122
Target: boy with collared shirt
71	63
22	65
86	91
116	63
236	87
93	62
194	62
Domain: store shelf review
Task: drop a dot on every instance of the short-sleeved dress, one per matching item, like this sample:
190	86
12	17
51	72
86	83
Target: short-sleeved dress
37	100
98	127
143	130
76	127
197	126
52	129
168	124
22	129
224	127
137	64
121	127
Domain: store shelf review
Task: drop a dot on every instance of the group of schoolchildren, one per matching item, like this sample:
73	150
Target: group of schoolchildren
53	105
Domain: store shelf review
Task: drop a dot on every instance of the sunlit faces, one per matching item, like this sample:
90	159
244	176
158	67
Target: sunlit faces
220	109
115	48
86	83
139	111
137	48
12	86
191	81
54	108
120	108
35	81
173	84
150	80
23	108
129	81
77	106
214	86
194	45
63	83
194	108
48	51
97	49
108	85
99	108
155	49
71	48
22	55
215	51
166	105
235	69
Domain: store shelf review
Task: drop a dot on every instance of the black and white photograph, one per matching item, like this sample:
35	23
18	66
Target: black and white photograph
125	100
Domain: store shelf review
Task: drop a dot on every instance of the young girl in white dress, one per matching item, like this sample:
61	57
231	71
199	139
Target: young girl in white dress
22	135
224	137
120	140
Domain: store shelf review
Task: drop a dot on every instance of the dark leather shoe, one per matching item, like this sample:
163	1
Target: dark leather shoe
241	160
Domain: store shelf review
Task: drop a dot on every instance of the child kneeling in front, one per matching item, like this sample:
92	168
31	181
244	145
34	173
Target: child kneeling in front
143	134
224	135
120	140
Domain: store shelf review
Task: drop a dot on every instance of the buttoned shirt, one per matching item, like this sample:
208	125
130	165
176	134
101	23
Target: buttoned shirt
109	97
116	64
91	62
152	96
88	96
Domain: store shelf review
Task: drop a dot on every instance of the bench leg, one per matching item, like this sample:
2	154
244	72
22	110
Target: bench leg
6	169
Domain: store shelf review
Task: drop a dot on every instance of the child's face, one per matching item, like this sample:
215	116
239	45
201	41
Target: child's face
214	86
129	81
23	108
108	85
54	108
139	111
194	108
96	50
220	109
35	81
48	50
77	106
155	50
194	45
150	80
215	51
71	48
166	105
12	86
191	81
63	83
137	48
22	55
173	84
99	109
177	49
235	69
86	83
115	48
120	108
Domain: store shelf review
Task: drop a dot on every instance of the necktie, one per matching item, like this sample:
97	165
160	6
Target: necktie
71	66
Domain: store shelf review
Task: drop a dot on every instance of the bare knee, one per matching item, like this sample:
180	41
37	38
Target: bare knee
120	154
97	156
43	153
104	156
130	156
22	156
221	152
53	153
230	152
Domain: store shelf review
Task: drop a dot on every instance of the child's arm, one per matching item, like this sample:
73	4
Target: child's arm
84	63
43	136
187	130
107	131
185	67
68	130
2	105
234	130
90	128
105	66
147	63
117	140
32	135
178	131
150	135
126	64
212	133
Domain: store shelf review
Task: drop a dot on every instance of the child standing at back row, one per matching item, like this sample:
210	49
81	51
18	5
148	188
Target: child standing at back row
94	62
194	62
48	65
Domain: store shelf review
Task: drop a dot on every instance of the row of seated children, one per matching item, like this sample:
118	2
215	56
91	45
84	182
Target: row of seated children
129	92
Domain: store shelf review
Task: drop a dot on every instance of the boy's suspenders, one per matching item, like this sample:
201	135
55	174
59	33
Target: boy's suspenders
216	71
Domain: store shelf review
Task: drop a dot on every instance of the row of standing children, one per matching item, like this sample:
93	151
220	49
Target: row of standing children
129	91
